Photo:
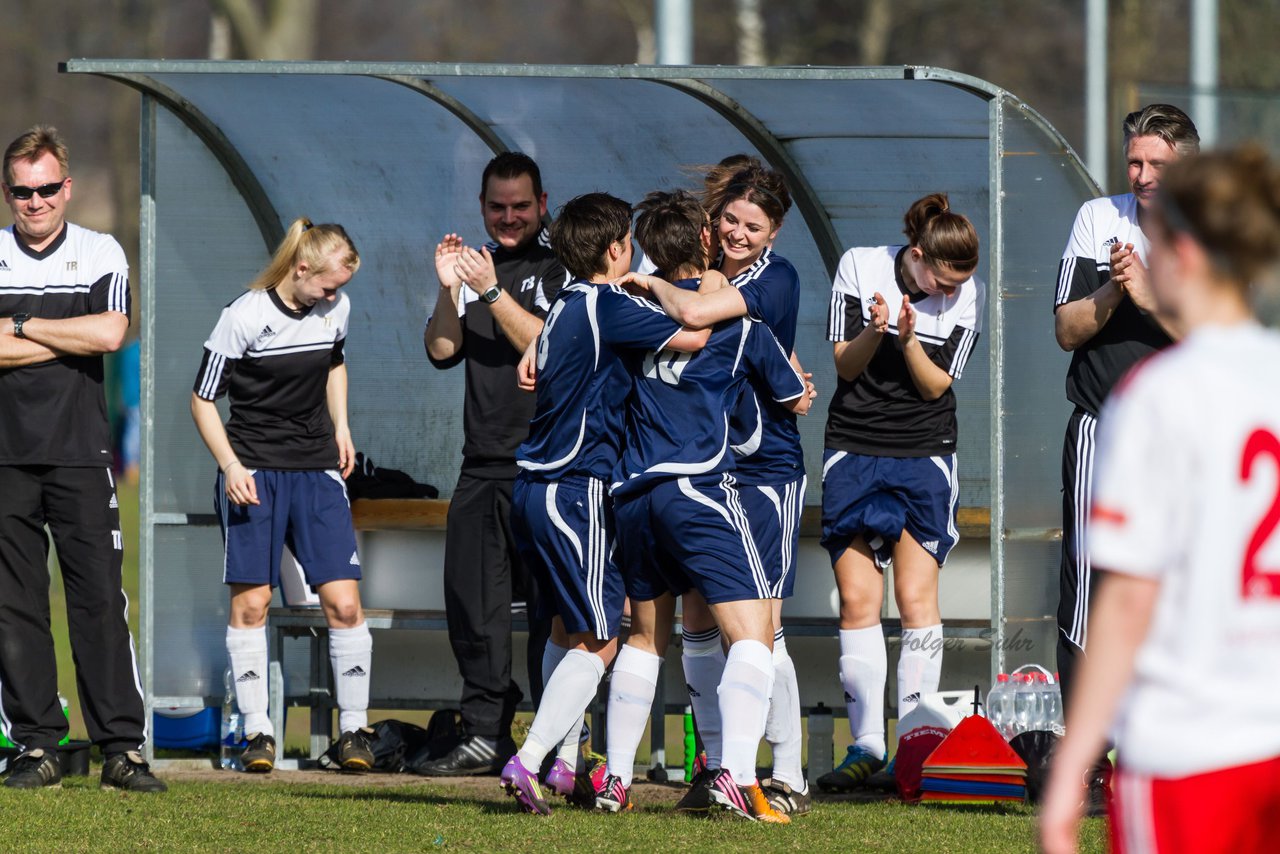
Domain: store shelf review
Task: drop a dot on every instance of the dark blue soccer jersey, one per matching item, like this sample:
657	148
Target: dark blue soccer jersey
678	418
771	289
764	434
582	382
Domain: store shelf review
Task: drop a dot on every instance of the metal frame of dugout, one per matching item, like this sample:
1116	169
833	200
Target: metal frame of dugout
233	151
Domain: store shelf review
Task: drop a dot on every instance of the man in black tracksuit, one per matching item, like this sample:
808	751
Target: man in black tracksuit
490	307
1103	316
64	300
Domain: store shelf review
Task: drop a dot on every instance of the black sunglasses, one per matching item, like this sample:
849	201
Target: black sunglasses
46	191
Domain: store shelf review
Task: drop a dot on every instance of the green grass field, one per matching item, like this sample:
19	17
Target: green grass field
274	814
207	810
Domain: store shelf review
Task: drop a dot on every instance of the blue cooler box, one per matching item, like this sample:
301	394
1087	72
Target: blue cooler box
187	729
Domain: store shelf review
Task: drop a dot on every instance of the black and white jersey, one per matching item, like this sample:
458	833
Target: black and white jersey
880	412
273	363
54	413
495	413
1130	334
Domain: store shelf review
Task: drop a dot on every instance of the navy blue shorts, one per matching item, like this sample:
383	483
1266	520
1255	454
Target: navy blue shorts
690	532
774	512
564	531
877	498
307	511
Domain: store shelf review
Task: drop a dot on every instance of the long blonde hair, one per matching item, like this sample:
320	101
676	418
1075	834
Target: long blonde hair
312	244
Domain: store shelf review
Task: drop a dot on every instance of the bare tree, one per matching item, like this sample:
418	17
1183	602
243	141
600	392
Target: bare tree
873	39
640	14
270	29
750	33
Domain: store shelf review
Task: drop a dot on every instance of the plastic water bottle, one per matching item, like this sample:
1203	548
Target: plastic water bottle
66	712
690	744
233	742
822	734
1000	705
1051	700
1025	701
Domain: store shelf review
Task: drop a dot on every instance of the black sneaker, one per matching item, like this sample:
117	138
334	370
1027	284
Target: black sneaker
475	755
785	799
259	756
128	771
1097	797
355	750
35	769
698	799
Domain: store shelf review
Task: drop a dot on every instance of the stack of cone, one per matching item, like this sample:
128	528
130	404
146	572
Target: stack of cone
974	764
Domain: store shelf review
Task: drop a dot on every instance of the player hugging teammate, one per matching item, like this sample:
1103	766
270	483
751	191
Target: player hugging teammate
681	524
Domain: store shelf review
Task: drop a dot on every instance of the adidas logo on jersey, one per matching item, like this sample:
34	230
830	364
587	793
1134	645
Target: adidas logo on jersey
692	693
4	266
248	676
113	503
912	698
1111	241
848	698
266	332
356	671
355	559
931	546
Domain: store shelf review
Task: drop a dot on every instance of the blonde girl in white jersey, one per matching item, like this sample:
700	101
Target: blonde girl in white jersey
1184	635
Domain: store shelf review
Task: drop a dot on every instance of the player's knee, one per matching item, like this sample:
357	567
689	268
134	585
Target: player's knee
917	603
344	614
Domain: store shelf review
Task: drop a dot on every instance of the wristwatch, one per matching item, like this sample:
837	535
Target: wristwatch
491	295
19	319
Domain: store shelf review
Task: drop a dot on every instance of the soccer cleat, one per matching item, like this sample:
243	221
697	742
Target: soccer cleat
474	755
130	772
611	795
35	769
355	750
785	799
560	779
259	755
697	800
858	765
723	792
759	808
523	786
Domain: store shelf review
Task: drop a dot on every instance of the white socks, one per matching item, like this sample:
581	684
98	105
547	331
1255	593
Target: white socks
744	705
559	719
703	660
919	666
247	652
631	689
864	667
782	727
350	654
552	655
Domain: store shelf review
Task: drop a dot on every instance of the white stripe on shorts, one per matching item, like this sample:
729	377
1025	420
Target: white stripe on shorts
1083	505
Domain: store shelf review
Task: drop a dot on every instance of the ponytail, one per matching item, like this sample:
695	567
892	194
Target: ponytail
944	237
312	244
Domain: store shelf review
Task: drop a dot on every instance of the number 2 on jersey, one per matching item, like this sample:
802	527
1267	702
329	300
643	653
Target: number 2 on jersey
1258	582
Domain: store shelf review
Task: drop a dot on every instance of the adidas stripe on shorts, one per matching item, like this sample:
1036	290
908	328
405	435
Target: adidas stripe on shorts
307	511
774	512
877	498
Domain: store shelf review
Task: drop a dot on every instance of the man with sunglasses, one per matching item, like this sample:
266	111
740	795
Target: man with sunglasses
64	302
